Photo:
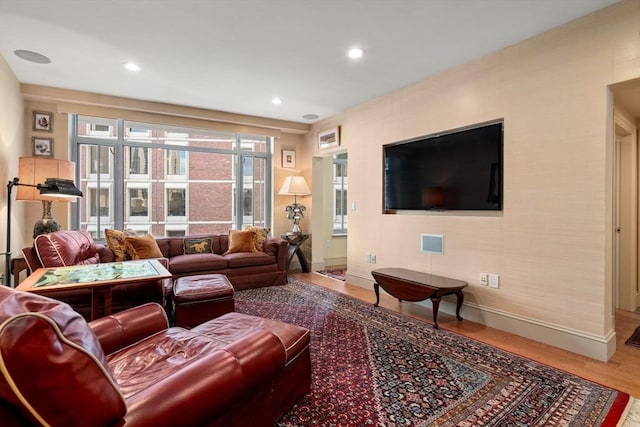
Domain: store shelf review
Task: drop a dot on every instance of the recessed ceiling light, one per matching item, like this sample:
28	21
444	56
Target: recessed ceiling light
355	52
310	116
131	66
31	56
276	101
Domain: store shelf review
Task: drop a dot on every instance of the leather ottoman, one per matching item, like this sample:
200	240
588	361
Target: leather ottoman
294	380
197	299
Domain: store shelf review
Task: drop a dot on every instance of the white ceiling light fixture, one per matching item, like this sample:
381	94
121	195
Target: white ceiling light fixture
131	66
276	101
311	116
355	52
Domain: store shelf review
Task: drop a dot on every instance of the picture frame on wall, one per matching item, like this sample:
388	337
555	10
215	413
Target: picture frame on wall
42	121
329	138
42	147
289	159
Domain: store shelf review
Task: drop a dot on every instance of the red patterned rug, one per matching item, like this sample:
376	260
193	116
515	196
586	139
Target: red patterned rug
372	366
334	273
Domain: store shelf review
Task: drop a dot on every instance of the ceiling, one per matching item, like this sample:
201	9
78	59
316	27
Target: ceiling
236	55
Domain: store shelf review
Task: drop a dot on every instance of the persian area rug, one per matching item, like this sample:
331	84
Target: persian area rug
334	273
634	339
372	366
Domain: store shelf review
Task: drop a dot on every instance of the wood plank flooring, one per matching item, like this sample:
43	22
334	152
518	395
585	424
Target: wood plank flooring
621	372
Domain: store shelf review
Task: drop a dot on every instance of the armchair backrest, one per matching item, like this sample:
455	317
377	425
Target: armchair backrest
64	248
52	368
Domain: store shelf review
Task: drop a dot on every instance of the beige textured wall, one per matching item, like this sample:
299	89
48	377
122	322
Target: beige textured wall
11	147
551	243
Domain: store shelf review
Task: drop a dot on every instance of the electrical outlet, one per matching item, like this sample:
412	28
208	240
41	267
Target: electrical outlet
484	279
494	281
373	258
328	243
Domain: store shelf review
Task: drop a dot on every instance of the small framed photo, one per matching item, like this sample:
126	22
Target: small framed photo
329	138
289	159
42	121
42	147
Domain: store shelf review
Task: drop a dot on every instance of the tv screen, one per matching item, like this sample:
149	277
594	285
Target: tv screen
454	170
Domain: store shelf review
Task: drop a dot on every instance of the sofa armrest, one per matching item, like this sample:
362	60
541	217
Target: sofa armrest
105	253
278	247
130	326
204	390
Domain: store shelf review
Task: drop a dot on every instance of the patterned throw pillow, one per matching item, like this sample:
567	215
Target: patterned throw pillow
241	241
197	246
115	241
261	235
143	247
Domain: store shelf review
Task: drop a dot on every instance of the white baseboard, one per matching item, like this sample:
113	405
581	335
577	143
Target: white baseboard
590	345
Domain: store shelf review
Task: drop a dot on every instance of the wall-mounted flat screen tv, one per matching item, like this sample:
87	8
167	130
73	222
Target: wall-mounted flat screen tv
454	170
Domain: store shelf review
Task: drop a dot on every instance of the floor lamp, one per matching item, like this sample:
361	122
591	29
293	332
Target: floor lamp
295	186
46	189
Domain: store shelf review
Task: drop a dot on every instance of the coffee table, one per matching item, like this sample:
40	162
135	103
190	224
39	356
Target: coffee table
409	285
97	277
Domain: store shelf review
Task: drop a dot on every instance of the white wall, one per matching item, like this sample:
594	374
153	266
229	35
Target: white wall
551	245
11	147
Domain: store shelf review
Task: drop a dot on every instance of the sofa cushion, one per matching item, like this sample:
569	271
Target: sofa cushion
194	263
116	242
261	235
247	259
241	241
45	339
198	246
65	248
143	247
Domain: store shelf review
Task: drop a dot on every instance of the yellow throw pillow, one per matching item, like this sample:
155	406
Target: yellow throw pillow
261	235
117	244
241	241
143	247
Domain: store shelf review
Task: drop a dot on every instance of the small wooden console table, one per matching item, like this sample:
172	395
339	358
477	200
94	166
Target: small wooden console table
409	285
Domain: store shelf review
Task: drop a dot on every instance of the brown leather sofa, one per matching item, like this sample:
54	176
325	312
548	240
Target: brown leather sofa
131	369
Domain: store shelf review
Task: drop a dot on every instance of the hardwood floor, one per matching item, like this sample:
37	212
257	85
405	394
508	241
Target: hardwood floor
621	372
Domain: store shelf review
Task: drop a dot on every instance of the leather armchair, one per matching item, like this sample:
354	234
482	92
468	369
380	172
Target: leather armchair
131	369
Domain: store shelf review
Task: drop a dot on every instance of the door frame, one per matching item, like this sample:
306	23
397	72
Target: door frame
625	213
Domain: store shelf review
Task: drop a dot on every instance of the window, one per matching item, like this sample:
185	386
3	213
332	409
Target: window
169	180
138	159
176	202
340	194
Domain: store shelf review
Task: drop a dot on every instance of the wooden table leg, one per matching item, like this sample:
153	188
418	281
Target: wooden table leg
459	301
95	302
376	288
435	301
107	301
95	308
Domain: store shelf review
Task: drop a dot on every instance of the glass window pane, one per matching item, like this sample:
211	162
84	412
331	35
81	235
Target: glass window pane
96	127
176	202
176	162
138	160
138	202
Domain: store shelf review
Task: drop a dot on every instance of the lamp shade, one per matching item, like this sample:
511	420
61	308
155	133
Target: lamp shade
295	186
36	170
